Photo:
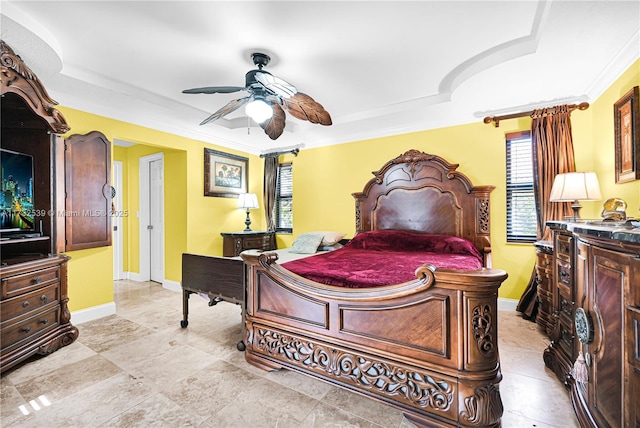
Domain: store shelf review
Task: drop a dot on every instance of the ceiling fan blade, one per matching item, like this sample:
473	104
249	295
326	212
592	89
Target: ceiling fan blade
303	107
214	90
275	85
274	126
228	108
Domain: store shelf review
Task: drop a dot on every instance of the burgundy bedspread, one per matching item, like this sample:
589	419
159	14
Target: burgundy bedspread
385	257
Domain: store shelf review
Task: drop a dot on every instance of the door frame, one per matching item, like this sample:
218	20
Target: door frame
144	216
117	223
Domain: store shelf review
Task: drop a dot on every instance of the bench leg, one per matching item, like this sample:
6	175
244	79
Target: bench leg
185	308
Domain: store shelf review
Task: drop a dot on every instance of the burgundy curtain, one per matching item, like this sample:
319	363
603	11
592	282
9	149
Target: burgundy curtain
269	190
552	154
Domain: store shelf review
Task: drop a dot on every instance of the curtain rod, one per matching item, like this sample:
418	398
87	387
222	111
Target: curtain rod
496	119
276	154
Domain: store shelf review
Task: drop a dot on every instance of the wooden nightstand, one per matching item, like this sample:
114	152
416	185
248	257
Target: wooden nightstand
236	242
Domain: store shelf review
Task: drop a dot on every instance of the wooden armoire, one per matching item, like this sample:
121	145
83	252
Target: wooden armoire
69	208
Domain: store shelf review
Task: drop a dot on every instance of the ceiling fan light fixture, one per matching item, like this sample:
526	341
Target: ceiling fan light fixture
258	110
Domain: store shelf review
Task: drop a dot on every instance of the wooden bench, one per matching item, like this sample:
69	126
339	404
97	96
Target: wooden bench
219	278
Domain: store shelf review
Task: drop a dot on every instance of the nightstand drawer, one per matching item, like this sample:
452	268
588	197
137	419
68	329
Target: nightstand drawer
258	243
20	305
20	284
236	242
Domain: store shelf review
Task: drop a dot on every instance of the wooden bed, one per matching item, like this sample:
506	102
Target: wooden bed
428	346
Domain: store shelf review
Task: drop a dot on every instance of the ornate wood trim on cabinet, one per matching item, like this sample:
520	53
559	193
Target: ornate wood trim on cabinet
17	78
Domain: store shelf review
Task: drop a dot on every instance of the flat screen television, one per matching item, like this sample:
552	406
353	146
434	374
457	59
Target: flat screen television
16	192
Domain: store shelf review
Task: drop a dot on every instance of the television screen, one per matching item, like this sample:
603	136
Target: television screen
16	195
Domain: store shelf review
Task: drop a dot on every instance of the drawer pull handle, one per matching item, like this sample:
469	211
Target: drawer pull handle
26	329
37	280
44	321
25	303
43	298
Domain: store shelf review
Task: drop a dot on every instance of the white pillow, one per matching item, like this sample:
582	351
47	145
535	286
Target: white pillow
331	238
307	243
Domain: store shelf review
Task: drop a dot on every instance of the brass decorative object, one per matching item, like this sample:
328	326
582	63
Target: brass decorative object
614	209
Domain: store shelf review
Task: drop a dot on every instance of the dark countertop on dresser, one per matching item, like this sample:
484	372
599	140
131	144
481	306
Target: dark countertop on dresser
621	233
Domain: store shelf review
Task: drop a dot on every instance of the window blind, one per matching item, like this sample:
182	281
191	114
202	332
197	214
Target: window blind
284	199
521	204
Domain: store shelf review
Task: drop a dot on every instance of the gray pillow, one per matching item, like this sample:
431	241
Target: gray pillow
307	243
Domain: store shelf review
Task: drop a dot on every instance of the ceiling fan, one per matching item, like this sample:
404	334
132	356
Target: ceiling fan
269	96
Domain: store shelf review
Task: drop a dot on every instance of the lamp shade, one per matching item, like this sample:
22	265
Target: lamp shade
247	200
575	186
258	110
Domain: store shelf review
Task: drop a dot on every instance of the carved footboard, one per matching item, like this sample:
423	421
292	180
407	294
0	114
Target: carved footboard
428	347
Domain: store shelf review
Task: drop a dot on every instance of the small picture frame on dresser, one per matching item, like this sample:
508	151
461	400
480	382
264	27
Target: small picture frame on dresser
225	174
627	136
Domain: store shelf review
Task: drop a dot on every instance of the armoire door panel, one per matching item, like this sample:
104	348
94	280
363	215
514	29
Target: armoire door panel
88	191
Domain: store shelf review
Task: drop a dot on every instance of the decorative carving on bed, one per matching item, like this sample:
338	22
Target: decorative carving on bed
423	192
428	346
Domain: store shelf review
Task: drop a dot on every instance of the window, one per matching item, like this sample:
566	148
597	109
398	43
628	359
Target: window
284	199
521	204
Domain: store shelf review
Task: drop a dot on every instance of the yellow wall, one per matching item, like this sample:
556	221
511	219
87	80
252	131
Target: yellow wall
329	175
601	158
480	150
193	222
324	179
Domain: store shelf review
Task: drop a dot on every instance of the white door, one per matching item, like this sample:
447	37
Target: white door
156	221
151	218
116	223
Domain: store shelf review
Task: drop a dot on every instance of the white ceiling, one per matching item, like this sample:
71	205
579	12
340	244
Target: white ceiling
378	67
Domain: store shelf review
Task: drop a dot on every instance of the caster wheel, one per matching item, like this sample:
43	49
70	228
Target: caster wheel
240	346
184	323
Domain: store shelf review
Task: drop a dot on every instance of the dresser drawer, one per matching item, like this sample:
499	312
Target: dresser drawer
24	283
28	329
565	307
566	339
565	278
544	261
562	247
35	300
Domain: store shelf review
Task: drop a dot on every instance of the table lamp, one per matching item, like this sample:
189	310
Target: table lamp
574	187
247	201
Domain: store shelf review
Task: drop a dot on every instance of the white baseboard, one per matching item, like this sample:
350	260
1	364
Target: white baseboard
507	304
93	313
172	285
135	276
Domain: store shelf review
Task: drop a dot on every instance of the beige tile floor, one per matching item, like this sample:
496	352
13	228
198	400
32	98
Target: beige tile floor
138	368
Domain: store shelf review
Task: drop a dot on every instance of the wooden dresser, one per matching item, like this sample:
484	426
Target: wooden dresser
236	242
596	313
34	318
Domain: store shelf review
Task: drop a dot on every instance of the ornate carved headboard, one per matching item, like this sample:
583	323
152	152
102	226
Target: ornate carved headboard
421	192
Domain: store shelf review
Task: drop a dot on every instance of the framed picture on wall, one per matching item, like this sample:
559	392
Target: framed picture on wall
225	175
627	137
